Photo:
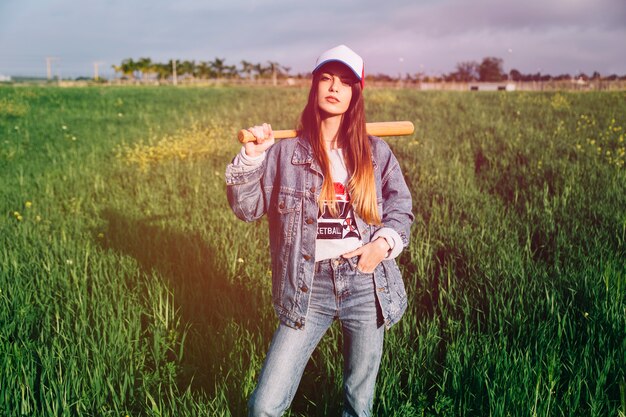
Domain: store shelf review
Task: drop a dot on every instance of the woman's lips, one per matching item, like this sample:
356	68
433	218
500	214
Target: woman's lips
332	99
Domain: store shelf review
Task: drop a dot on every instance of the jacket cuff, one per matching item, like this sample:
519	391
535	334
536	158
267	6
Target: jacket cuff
243	169
248	161
393	239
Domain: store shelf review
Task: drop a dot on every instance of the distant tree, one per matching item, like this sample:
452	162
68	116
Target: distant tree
563	77
186	68
596	75
465	72
247	68
515	75
204	70
128	68
273	68
490	69
419	76
144	66
219	66
230	71
582	76
378	77
261	70
276	70
163	71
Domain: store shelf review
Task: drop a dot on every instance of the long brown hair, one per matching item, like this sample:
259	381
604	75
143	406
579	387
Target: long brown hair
356	150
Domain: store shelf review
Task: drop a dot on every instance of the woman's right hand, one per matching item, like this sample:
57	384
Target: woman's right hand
264	139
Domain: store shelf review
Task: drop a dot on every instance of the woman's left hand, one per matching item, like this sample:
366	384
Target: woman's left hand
370	254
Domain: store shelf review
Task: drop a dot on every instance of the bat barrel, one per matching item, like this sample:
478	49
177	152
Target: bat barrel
401	128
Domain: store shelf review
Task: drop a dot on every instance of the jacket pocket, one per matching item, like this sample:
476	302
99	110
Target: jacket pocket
287	203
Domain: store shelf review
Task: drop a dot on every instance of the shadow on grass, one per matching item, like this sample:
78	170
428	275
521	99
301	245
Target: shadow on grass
209	305
207	300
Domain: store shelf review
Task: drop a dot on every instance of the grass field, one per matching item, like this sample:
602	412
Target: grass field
127	286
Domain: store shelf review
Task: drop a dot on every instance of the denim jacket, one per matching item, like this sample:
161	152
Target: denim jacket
286	186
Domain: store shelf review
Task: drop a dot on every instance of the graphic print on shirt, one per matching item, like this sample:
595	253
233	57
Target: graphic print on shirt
341	227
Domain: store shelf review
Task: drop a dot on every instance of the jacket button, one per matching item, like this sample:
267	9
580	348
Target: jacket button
304	288
298	325
313	189
307	257
309	220
281	205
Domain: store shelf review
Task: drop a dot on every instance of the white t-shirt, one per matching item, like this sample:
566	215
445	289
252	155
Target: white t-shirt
337	235
329	244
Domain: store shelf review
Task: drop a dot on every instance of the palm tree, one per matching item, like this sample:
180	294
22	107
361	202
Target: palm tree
187	67
145	66
163	71
261	70
274	68
247	68
218	66
205	70
128	68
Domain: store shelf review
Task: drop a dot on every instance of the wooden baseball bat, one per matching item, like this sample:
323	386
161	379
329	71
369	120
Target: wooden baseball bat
374	129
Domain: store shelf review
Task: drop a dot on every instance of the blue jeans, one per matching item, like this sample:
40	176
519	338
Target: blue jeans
339	291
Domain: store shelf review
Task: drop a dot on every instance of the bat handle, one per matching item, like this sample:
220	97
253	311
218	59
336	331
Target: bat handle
245	136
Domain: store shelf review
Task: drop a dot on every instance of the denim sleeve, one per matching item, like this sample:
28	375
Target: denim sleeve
397	202
244	189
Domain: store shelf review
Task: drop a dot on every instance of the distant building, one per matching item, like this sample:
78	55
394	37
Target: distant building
492	86
5	78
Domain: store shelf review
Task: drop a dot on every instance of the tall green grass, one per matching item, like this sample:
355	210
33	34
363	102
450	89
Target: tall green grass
129	288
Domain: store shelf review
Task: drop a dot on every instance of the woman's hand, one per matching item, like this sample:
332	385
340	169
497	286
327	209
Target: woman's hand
370	254
264	139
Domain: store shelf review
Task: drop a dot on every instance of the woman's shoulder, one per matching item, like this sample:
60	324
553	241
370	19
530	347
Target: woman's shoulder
283	146
379	146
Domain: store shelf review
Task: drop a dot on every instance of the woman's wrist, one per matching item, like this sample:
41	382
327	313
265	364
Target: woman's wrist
382	243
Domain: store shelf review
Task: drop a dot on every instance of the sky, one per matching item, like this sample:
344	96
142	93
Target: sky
393	36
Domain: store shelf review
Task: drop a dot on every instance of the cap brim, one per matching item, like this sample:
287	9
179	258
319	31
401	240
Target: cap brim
357	75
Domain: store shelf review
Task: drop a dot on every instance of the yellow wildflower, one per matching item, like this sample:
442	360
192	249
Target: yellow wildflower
28	204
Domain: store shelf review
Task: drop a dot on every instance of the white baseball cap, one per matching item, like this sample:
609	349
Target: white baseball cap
347	57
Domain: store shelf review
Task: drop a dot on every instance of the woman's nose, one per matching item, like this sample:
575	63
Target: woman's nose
333	84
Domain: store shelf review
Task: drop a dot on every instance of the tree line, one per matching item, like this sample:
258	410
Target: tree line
145	68
490	69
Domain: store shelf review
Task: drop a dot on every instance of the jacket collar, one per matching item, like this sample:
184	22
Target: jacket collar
303	154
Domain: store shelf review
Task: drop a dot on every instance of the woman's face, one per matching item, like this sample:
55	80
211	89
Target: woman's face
334	90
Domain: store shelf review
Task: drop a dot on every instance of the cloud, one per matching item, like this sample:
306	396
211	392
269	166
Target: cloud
430	35
448	17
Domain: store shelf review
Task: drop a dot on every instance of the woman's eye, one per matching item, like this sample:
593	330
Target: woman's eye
325	78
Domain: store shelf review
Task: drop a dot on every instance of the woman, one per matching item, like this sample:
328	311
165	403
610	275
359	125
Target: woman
339	212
